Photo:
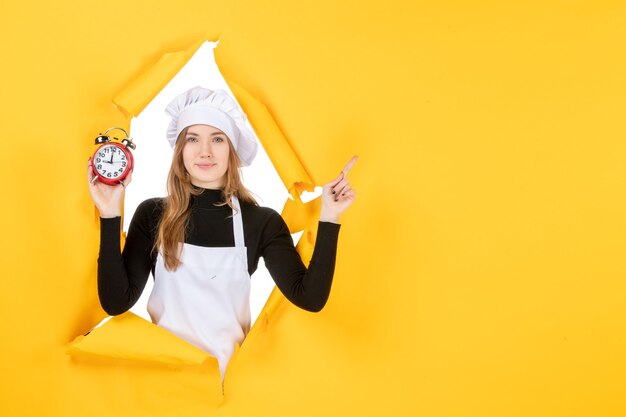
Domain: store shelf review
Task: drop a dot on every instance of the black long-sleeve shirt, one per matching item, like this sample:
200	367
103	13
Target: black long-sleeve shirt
122	275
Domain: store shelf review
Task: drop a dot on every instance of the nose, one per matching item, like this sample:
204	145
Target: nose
205	149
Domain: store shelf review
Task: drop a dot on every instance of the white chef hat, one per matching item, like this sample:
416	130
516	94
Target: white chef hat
216	108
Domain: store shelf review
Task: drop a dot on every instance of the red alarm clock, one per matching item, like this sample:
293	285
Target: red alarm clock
112	161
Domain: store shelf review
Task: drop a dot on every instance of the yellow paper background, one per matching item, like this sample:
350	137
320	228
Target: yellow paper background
480	271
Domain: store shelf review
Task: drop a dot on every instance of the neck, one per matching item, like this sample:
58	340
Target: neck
207	197
209	185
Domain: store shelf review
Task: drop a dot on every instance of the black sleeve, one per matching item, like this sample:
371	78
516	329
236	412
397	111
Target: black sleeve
122	276
307	288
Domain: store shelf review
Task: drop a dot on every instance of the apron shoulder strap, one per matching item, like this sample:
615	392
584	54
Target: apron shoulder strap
237	223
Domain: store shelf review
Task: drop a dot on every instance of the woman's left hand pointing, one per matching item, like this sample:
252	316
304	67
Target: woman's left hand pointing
337	195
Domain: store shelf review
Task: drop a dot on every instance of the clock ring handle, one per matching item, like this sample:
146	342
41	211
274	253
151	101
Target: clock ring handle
116	128
127	141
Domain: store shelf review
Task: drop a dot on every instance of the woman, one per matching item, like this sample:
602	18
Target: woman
203	241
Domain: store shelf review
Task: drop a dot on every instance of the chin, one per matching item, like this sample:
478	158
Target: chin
209	181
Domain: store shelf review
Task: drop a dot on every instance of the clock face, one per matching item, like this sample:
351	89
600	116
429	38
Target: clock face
111	162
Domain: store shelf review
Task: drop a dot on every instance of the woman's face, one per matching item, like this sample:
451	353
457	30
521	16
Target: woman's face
205	156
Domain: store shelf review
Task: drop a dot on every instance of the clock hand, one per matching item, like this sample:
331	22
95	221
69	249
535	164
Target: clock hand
111	157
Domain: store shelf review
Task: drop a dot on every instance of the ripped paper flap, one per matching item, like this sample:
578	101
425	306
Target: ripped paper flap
129	336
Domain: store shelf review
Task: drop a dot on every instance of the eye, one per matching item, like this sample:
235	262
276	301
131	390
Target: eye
218	139
191	139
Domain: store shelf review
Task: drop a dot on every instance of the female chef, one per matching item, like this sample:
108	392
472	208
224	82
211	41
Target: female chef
204	240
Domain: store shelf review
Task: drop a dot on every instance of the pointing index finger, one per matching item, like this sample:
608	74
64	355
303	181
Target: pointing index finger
348	167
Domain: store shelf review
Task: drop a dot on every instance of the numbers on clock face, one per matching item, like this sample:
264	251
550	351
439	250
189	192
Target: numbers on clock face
111	161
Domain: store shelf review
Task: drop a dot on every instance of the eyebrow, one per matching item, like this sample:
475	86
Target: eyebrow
212	134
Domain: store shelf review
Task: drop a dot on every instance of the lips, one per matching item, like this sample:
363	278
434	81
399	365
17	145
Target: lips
205	166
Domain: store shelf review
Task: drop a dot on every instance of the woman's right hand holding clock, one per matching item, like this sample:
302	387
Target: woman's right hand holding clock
107	198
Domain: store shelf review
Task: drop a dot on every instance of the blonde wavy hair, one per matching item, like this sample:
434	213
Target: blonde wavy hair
177	208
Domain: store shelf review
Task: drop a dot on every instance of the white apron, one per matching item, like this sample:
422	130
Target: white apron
206	301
